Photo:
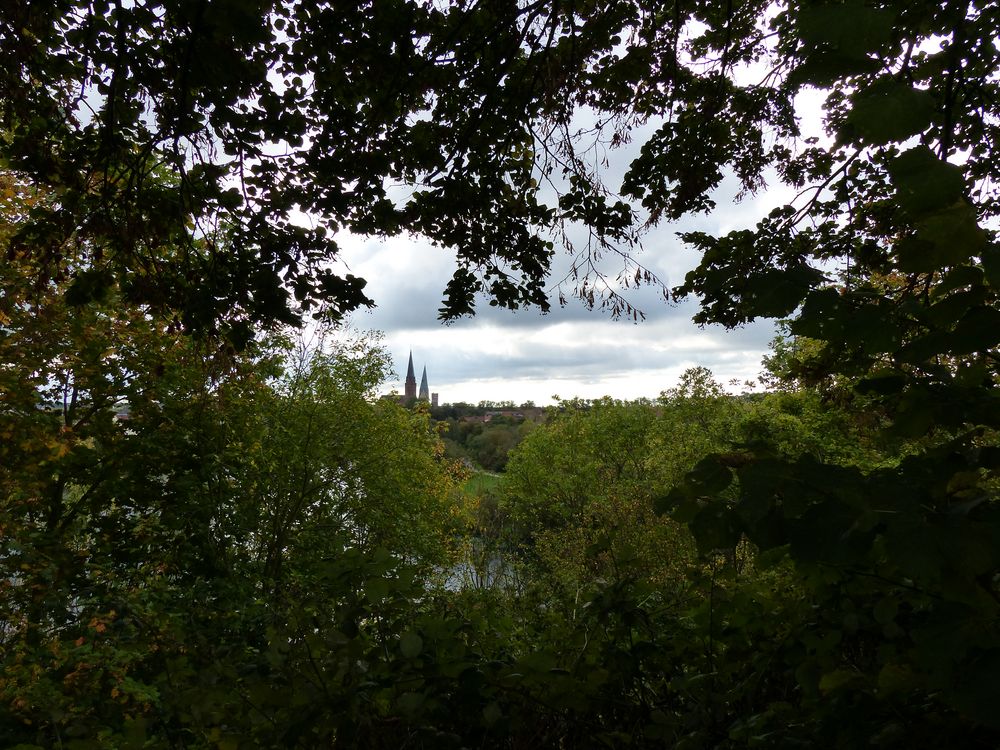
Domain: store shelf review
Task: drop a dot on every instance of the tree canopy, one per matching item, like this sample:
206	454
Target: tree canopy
211	129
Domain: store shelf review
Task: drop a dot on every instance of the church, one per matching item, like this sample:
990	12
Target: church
410	392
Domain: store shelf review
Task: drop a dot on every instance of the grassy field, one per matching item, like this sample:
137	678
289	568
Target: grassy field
482	482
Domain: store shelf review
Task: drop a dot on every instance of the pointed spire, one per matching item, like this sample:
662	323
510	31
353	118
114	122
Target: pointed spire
425	392
410	386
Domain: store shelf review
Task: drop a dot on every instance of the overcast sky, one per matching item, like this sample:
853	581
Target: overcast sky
571	351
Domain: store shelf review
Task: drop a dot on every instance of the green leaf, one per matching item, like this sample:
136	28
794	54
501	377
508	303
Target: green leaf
948	311
837	680
893	678
977	331
925	347
710	476
807	674
829	532
889	111
924	183
913	546
852	28
959	277
954	232
542	661
90	285
492	713
681	507
410	703
715	527
823	316
871	327
882	382
411	644
931	191
377	589
916	255
776	293
825	67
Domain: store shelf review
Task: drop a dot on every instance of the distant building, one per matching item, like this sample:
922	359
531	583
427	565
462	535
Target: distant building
410	392
410	386
425	394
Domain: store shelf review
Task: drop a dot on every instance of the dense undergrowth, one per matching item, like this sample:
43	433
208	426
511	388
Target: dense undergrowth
258	552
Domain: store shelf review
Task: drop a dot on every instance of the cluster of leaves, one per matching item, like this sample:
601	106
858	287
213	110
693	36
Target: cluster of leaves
158	125
901	557
198	548
788	627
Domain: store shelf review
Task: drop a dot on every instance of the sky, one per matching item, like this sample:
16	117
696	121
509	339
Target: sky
571	351
524	355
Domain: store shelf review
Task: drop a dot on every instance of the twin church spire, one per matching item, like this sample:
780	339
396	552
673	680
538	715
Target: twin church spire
410	385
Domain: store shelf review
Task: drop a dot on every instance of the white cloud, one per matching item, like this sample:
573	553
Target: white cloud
571	351
573	358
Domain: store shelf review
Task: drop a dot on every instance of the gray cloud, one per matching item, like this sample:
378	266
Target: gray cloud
583	353
571	350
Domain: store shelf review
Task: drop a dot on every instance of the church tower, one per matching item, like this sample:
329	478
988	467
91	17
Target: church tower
410	386
425	394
